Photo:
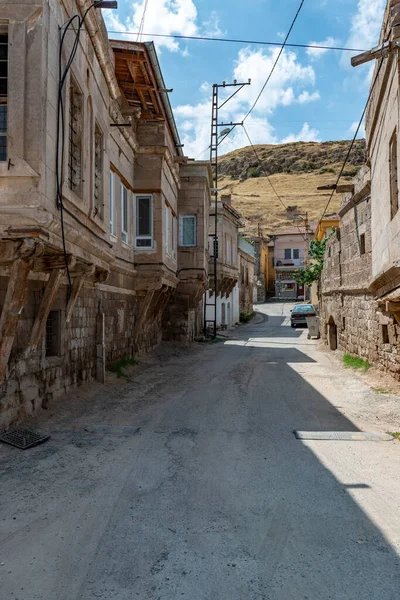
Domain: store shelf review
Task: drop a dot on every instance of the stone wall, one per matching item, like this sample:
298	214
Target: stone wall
352	320
34	380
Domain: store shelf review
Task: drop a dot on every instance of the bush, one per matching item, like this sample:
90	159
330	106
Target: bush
245	318
119	365
254	172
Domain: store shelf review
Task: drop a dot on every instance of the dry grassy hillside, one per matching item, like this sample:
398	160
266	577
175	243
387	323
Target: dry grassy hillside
295	170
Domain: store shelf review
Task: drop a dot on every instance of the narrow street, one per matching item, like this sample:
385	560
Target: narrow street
212	498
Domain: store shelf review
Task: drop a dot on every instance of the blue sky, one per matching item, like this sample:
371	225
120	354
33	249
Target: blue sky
311	96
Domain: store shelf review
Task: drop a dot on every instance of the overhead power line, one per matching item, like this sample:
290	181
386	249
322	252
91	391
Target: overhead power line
268	177
353	140
236	41
276	61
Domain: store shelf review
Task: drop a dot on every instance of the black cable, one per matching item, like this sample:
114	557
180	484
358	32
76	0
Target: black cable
268	178
238	41
353	140
276	61
60	136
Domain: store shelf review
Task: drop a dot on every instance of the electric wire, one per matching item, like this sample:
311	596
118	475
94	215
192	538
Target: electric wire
60	136
268	177
353	140
275	62
140	33
237	41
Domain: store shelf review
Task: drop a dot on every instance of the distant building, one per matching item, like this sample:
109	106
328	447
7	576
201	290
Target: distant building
228	310
290	253
264	272
246	280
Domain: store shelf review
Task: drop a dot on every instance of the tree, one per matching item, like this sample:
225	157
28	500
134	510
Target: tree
316	254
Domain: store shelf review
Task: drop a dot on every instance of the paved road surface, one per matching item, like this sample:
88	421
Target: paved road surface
214	498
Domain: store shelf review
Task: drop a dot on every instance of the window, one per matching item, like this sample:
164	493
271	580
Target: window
112	205
228	249
75	139
169	234
288	253
247	276
362	243
53	333
144	222
394	188
98	172
296	253
344	323
242	273
385	334
187	230
124	215
3	90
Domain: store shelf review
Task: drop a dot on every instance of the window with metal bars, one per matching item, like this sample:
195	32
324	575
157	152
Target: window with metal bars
75	138
3	90
394	186
98	172
53	333
124	215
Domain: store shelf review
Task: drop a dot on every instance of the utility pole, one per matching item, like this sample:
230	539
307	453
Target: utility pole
216	139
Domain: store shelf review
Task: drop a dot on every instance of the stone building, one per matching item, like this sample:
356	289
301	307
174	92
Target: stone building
352	319
227	301
89	253
382	133
246	280
264	271
290	253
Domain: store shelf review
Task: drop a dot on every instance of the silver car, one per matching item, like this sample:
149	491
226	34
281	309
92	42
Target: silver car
299	314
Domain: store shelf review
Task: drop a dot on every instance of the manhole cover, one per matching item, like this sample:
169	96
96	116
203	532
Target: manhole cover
350	436
23	438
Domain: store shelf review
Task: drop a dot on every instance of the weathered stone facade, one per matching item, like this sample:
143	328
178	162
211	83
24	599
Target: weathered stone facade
87	285
352	320
246	281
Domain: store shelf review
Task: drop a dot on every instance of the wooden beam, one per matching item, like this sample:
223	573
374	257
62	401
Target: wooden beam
76	288
45	306
144	308
376	52
142	100
345	188
53	261
15	300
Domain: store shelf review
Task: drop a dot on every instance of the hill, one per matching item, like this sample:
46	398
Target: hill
295	170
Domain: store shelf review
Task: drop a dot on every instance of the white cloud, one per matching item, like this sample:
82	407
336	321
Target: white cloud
353	129
316	53
307	97
286	87
365	27
162	17
211	27
306	134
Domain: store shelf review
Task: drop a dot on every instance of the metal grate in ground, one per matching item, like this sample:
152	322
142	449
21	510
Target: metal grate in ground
349	436
23	438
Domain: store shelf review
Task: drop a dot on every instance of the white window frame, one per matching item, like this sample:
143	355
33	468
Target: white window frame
290	254
124	230
181	219
295	250
151	235
112	205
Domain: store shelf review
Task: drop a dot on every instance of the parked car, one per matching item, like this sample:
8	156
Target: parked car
299	314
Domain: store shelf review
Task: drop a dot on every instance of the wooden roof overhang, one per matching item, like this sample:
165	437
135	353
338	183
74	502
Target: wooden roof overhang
136	80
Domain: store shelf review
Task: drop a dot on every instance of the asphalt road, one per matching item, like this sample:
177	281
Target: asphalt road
214	498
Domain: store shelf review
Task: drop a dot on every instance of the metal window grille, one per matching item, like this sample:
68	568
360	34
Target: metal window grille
394	187
53	333
112	207
144	221
98	172
187	228
3	90
75	139
124	214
